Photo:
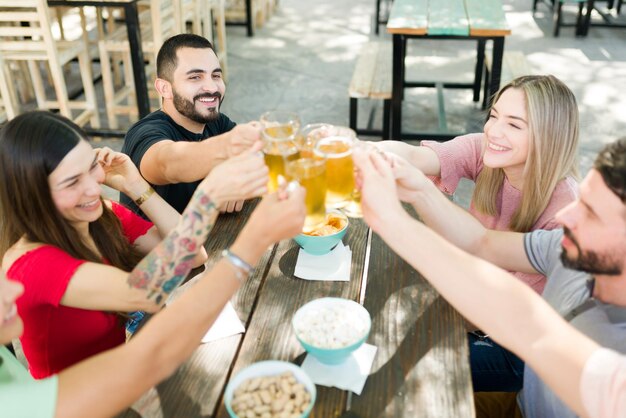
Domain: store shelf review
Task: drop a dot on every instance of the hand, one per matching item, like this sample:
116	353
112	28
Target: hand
120	172
410	181
238	178
232	206
379	197
242	137
278	216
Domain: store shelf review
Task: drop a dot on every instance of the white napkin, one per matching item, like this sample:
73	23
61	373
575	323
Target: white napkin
226	324
334	266
349	375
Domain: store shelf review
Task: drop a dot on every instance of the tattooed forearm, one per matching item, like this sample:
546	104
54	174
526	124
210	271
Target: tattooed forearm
165	267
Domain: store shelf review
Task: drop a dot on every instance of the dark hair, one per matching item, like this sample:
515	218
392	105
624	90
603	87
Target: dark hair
31	146
166	58
611	164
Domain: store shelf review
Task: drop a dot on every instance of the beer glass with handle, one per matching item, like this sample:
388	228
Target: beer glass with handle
337	149
280	130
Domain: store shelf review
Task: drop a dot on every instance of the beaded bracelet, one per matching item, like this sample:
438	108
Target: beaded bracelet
242	269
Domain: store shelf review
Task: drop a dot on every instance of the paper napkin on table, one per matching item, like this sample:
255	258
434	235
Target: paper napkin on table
334	266
226	324
349	375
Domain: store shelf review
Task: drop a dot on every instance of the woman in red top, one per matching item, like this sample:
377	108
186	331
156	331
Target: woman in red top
73	251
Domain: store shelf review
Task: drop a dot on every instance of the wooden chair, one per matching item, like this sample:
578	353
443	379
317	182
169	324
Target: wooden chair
31	41
158	20
235	12
207	18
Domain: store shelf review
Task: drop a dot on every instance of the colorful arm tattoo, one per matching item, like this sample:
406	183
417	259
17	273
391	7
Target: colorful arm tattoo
165	267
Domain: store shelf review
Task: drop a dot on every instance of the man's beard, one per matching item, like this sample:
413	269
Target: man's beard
590	261
187	108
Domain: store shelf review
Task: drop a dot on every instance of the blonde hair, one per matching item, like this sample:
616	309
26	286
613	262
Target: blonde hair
552	150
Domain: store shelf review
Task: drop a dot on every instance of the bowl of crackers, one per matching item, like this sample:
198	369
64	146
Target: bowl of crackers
322	239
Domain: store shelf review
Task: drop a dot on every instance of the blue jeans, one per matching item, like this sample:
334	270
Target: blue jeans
494	369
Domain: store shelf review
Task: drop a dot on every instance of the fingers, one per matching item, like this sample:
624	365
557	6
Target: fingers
239	205
255	124
106	156
256	148
381	164
282	192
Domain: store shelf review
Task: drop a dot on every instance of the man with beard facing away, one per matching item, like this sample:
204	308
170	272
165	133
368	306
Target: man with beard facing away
177	146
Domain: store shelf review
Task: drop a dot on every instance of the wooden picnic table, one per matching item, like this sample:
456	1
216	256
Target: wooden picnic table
420	369
472	20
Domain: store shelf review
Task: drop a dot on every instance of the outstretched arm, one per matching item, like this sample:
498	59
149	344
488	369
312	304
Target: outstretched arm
499	304
107	383
505	249
168	162
422	158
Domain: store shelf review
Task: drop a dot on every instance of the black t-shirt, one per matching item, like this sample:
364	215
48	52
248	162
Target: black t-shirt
158	126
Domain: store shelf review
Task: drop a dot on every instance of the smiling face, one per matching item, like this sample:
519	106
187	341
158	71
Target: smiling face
11	325
197	87
507	134
75	185
595	229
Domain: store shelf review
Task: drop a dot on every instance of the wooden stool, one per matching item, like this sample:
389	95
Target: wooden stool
158	21
31	42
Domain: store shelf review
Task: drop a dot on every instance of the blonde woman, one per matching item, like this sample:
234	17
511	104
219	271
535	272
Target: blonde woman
525	169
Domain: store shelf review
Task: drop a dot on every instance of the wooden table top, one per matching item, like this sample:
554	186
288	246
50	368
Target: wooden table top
448	17
421	366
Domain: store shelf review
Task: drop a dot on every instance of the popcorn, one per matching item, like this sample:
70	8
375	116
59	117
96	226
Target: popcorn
331	326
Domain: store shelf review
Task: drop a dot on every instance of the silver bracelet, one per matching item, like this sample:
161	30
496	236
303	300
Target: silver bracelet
242	269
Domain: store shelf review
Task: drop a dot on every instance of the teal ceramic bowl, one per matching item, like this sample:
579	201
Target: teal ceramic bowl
330	329
269	368
321	245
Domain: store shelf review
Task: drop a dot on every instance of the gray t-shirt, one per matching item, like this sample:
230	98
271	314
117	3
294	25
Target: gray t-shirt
565	290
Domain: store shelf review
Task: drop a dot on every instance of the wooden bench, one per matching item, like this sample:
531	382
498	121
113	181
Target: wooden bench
514	64
372	80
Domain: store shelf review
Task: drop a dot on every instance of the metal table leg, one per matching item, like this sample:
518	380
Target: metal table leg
397	86
496	67
136	54
249	18
480	64
584	30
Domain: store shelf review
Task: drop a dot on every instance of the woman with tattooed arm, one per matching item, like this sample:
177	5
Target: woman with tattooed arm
76	254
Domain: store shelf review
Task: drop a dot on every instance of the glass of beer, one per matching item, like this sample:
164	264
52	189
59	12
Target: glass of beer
337	149
310	172
309	135
280	130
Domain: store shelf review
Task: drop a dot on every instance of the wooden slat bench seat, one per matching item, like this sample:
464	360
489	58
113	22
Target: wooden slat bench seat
372	80
514	64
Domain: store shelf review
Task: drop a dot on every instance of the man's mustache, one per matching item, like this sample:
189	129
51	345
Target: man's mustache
217	95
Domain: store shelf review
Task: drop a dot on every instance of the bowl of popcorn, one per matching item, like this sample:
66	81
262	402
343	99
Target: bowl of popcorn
322	239
330	329
270	389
